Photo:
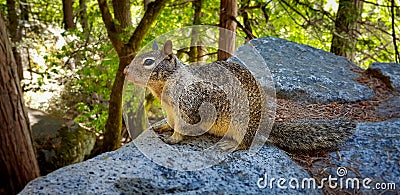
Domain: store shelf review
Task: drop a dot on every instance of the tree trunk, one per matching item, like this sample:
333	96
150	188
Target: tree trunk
193	52
122	13
228	9
24	7
68	11
15	33
112	135
345	36
146	4
13	21
18	163
126	52
83	14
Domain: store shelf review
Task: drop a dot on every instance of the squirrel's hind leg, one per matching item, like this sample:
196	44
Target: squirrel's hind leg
175	138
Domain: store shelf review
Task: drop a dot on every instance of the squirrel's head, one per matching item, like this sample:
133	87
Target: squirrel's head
152	67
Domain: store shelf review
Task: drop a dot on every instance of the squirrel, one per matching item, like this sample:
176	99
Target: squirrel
164	75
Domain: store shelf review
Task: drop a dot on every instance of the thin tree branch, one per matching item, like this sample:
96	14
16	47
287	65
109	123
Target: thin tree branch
396	51
372	56
287	11
377	4
141	30
110	26
325	13
375	27
249	8
248	33
264	10
260	6
181	3
295	10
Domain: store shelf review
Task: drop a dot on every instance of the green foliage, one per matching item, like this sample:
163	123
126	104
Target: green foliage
92	117
78	64
95	80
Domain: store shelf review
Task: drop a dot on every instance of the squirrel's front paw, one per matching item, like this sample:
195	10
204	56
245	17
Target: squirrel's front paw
174	138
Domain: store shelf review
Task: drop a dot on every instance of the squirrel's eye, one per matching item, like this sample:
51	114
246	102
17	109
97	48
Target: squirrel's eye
148	62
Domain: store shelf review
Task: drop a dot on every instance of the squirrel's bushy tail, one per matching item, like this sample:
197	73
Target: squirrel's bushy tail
311	135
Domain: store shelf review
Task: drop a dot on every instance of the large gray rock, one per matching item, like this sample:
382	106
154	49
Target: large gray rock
304	73
58	142
128	171
390	107
389	73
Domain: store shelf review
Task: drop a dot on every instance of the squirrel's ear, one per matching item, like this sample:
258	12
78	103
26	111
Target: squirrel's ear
167	50
155	46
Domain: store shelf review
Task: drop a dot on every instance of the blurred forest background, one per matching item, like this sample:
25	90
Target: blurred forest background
70	54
